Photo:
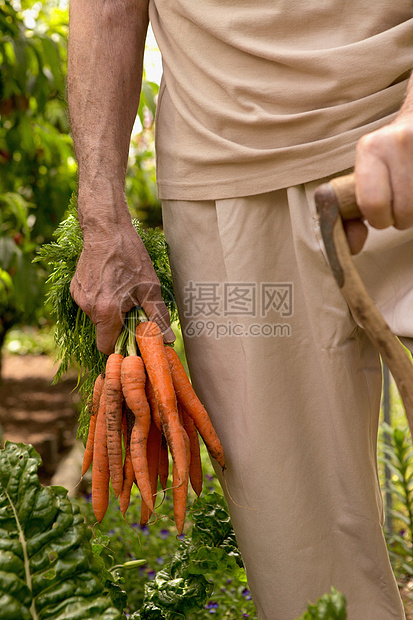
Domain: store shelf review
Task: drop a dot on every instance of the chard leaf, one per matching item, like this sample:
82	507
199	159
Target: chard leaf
173	599
47	567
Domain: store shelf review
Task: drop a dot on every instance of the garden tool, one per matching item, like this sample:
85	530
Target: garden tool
336	201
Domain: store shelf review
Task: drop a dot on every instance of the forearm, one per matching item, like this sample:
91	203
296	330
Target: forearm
106	46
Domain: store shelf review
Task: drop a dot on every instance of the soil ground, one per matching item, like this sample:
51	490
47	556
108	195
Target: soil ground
32	410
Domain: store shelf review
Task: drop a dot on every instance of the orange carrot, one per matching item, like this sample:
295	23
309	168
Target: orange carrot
150	342
88	455
100	468
133	378
150	395
128	480
195	464
163	464
128	473
125	434
114	419
180	492
153	447
193	406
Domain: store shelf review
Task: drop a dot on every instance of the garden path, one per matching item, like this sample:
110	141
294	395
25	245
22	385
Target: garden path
32	410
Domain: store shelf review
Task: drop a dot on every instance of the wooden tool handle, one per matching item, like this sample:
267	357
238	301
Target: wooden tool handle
331	198
344	188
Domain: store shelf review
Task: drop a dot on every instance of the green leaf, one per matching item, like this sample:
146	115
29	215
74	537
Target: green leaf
172	599
182	586
329	607
52	57
15	205
8	250
147	100
47	567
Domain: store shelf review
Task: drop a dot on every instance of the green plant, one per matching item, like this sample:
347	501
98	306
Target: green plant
37	169
47	567
184	585
398	456
331	606
31	340
141	189
51	567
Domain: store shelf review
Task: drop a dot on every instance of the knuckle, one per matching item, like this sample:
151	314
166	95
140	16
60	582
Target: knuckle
403	136
365	142
369	143
80	298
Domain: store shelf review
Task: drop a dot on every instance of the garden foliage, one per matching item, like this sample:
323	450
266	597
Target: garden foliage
47	567
37	169
398	456
329	607
186	583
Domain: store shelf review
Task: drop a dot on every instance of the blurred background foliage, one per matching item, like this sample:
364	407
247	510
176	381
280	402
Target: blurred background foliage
37	164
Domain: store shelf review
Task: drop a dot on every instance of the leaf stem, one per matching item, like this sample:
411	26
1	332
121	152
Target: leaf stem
142	316
22	539
131	322
121	341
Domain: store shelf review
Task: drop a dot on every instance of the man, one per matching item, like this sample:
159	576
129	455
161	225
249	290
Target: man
260	102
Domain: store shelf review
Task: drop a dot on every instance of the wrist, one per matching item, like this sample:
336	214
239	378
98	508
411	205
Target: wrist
102	212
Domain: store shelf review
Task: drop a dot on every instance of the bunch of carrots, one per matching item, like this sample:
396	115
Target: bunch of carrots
143	408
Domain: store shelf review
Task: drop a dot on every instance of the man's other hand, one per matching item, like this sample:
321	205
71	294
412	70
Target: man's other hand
384	179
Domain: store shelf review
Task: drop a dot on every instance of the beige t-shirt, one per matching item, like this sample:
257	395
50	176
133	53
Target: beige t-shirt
259	95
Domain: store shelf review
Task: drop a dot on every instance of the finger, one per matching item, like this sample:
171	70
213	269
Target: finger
158	312
401	174
356	233
107	333
402	200
150	298
373	188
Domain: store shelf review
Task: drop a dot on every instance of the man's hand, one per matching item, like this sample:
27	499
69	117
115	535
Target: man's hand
384	176
114	274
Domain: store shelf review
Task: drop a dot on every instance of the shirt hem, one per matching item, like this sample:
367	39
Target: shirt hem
271	176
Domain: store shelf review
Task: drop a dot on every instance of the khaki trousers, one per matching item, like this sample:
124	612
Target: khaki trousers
293	386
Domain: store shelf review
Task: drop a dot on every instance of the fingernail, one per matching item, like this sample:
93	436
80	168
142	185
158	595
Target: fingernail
169	335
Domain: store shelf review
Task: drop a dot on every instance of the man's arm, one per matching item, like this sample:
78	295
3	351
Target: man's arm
384	175
114	273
